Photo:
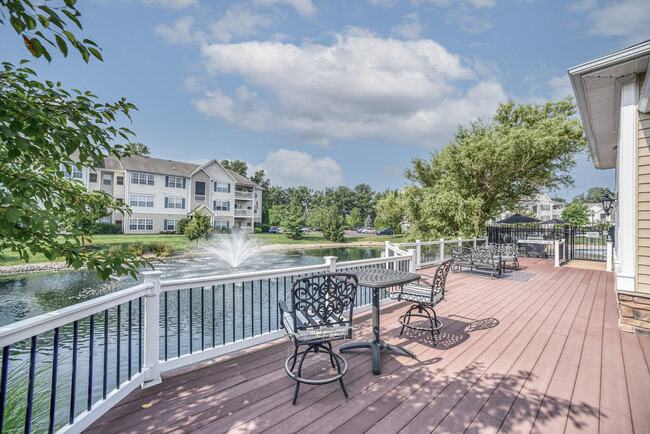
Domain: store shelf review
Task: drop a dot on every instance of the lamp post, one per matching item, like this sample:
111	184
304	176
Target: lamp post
608	201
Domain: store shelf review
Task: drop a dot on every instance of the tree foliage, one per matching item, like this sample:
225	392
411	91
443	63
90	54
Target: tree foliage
334	225
390	212
236	166
355	219
293	222
141	149
576	213
197	228
490	166
45	130
593	195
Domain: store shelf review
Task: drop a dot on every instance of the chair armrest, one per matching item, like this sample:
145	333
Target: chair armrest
283	307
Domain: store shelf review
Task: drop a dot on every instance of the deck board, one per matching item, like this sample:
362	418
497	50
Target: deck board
544	355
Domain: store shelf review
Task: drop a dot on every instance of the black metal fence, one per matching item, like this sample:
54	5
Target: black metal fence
584	242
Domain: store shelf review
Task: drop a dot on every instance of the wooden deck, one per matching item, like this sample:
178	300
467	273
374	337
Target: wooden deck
543	355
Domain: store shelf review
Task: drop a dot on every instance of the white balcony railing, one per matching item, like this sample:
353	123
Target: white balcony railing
244	212
243	195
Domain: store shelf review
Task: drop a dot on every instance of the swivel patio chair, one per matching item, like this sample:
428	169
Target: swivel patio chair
321	312
425	298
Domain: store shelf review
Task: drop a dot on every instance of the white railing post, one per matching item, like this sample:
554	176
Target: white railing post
475	240
610	255
412	261
442	249
460	241
330	261
557	253
151	367
387	249
418	254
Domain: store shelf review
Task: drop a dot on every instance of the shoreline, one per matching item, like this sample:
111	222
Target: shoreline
46	267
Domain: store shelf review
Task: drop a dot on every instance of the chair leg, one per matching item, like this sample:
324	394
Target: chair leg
338	369
295	356
302	359
329	344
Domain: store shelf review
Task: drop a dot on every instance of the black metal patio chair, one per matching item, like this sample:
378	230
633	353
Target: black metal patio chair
322	307
425	298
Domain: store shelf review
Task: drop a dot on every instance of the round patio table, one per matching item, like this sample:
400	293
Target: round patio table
380	278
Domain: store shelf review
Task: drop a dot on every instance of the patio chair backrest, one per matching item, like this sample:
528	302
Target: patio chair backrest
440	276
322	299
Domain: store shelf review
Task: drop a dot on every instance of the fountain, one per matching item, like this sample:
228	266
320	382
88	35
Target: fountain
234	249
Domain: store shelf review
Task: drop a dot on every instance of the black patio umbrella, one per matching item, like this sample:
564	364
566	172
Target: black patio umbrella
555	222
518	218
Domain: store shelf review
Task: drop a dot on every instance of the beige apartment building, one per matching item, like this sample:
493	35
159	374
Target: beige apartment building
161	192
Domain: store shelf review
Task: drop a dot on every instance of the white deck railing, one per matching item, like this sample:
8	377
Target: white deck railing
430	252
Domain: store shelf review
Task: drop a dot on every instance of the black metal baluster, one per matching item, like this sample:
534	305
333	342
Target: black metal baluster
243	310
277	299
233	314
202	320
253	308
91	358
214	318
73	381
119	341
140	334
105	385
261	307
223	314
191	314
130	337
30	387
55	365
268	284
178	322
166	337
3	387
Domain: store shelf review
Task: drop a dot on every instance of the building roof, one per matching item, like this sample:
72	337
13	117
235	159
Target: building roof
595	84
242	179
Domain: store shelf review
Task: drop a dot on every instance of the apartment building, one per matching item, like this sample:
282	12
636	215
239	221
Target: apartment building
543	207
161	192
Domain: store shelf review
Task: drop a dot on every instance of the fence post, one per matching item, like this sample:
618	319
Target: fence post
151	367
460	241
610	255
557	252
330	261
387	249
475	239
442	249
412	261
418	253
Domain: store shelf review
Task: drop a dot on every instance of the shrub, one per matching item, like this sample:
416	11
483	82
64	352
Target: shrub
161	249
167	232
265	227
115	248
198	227
258	230
334	225
180	225
137	248
106	228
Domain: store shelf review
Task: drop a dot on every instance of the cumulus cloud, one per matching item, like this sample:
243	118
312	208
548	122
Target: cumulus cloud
624	18
478	4
178	33
305	8
560	87
361	86
411	28
172	4
238	22
289	168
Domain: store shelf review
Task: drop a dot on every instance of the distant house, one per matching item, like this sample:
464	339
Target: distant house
613	96
161	192
541	207
597	215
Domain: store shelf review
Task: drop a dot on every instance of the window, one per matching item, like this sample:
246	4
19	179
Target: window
141	224
107	179
141	200
119	223
142	178
175	182
603	216
545	207
221	224
199	191
76	173
174	202
93	177
169	225
120	200
222	187
105	220
119	180
221	205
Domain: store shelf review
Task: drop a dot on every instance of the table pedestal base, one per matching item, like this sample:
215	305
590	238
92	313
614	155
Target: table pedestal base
376	350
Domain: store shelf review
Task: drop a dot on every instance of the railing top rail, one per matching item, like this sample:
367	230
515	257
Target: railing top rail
29	327
434	243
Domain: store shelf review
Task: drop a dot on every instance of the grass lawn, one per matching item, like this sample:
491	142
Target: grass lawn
181	243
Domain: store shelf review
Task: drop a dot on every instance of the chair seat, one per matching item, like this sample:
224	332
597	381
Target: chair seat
419	294
318	332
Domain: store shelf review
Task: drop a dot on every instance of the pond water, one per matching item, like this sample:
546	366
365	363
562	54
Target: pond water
27	295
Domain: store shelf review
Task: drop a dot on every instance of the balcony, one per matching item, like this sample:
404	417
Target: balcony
244	212
243	195
542	355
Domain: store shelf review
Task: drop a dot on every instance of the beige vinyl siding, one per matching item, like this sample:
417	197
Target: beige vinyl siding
643	199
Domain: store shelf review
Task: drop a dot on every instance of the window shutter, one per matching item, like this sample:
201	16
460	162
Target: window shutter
166	183
165	224
227	224
214	186
228	188
214	205
166	204
227	206
183	186
183	201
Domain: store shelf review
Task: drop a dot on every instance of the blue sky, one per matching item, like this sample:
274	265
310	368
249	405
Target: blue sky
324	93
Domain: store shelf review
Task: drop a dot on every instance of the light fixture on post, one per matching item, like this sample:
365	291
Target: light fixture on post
608	201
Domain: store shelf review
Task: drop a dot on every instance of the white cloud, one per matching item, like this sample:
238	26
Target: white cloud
240	22
172	4
478	4
560	87
624	18
179	33
469	23
411	28
305	8
295	168
383	3
359	87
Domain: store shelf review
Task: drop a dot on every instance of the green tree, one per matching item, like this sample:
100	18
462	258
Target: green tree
198	227
593	195
276	214
334	225
316	217
45	130
236	166
364	200
180	225
491	166
390	211
82	220
558	199
141	149
293	222
576	213
355	219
